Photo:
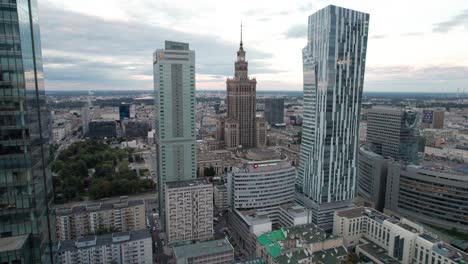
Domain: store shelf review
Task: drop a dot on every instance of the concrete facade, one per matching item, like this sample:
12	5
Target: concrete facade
79	221
189	210
120	248
174	87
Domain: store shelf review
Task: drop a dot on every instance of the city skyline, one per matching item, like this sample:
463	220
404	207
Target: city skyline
83	48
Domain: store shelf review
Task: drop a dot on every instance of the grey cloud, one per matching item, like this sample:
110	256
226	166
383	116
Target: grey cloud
458	20
71	38
412	34
378	37
306	8
405	78
296	31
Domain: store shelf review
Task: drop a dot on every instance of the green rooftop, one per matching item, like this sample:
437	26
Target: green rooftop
270	242
274	241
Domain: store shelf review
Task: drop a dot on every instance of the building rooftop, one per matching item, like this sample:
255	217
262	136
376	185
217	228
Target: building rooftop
378	253
329	256
251	261
443	166
351	213
446	250
187	183
262	154
220	187
12	243
202	249
294	209
263	166
253	216
274	241
93	207
380	218
107	239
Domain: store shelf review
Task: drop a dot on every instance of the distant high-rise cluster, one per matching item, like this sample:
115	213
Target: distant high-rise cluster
334	65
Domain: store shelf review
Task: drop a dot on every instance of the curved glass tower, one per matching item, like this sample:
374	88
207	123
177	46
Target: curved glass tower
334	63
26	194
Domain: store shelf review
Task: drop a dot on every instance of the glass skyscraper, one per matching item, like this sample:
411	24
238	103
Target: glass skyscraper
174	86
26	195
333	64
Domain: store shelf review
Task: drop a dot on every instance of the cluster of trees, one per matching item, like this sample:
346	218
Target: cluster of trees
94	169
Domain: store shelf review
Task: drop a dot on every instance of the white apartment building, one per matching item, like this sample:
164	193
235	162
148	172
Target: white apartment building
382	239
120	216
174	88
117	248
189	210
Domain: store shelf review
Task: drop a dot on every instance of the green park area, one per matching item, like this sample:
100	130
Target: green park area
93	169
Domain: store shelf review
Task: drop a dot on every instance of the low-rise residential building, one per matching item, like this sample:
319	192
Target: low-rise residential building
189	210
207	252
300	244
81	220
127	247
381	239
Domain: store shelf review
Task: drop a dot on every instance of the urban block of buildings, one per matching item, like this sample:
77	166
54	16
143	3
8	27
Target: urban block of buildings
134	246
378	238
82	220
301	244
261	197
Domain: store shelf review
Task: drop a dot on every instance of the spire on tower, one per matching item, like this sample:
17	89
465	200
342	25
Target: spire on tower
241	45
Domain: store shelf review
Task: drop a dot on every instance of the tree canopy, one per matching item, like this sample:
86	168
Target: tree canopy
94	169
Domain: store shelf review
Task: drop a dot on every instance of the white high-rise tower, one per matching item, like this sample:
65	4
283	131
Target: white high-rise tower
334	63
174	87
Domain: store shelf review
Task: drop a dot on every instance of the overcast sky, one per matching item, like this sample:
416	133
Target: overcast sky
417	45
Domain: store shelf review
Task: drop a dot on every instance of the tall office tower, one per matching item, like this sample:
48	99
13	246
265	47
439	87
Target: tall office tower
26	226
241	100
174	87
274	110
124	111
334	64
392	132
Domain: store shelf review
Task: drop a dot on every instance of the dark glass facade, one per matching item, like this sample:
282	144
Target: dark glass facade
124	111
274	110
26	194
